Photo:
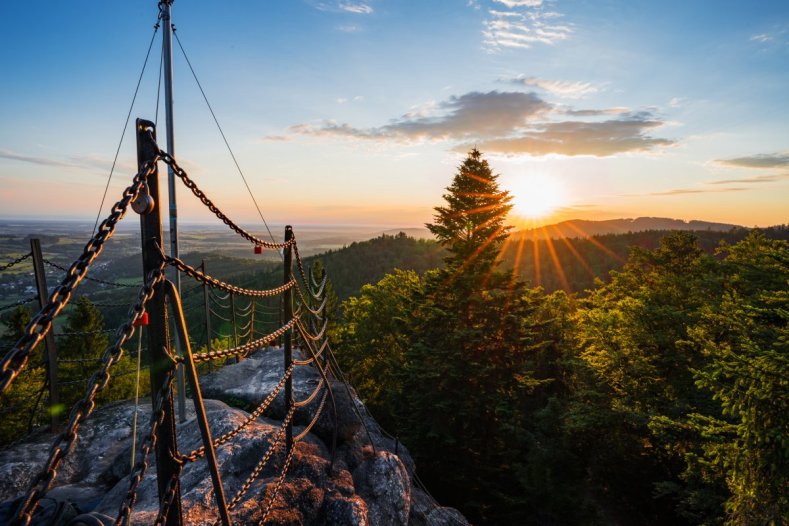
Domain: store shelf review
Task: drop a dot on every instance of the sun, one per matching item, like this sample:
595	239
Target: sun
536	195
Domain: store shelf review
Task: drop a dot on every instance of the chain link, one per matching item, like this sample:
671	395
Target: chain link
217	284
318	413
88	278
200	452
86	333
17	261
191	185
157	417
263	461
169	497
41	323
241	349
277	487
18	303
65	441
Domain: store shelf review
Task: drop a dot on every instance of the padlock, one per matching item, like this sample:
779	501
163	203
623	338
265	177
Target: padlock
258	249
142	320
143	204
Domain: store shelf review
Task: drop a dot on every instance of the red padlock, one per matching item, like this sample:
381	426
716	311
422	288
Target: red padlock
258	249
142	320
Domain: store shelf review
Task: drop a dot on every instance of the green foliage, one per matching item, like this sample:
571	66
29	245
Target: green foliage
471	225
747	342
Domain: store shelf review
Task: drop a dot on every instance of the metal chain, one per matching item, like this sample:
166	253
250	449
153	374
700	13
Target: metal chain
309	427
88	278
263	461
277	487
241	349
41	323
86	333
18	260
18	303
65	441
306	334
191	185
254	415
306	303
217	284
157	417
169	497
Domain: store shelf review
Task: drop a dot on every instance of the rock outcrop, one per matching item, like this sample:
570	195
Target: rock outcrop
364	484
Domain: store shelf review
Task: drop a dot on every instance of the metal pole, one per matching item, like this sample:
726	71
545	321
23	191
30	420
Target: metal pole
287	298
167	41
51	357
158	340
197	397
207	317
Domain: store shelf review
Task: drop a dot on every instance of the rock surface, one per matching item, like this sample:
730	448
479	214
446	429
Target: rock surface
371	481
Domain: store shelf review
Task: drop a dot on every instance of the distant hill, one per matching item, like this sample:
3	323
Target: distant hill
580	228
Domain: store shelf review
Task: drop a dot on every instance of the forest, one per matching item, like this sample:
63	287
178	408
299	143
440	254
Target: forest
636	378
658	396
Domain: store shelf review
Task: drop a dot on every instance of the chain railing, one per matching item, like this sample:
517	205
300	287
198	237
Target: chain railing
151	309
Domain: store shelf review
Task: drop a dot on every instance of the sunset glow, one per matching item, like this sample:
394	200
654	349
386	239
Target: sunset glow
536	196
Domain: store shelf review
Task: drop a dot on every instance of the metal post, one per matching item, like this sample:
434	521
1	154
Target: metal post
51	357
158	340
197	397
208	331
167	41
287	298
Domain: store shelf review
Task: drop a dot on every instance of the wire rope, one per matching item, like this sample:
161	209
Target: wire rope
126	125
224	138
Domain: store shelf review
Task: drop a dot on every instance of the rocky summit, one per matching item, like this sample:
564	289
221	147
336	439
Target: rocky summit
370	480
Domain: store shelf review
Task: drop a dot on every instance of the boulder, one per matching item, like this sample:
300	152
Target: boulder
366	480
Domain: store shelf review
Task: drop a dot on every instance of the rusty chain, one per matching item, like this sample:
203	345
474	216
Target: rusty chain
319	336
18	303
157	417
82	409
254	415
17	261
241	349
311	397
317	312
313	358
41	323
277	486
191	185
263	461
315	418
169	496
88	278
218	284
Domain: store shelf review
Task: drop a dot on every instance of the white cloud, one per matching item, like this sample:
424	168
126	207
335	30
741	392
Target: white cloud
520	3
763	37
508	123
524	25
358	8
561	88
334	6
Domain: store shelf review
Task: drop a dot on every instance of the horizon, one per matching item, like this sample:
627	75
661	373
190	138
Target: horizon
356	114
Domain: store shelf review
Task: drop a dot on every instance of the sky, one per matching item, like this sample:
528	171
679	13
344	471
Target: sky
358	112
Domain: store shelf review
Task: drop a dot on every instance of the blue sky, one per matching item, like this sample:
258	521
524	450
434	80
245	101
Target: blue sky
358	112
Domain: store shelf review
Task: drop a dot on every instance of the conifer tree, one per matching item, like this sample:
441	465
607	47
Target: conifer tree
472	224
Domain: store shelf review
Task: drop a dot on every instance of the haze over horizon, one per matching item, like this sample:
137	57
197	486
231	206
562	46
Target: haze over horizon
358	112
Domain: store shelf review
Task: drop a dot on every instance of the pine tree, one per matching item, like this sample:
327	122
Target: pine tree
473	373
471	225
